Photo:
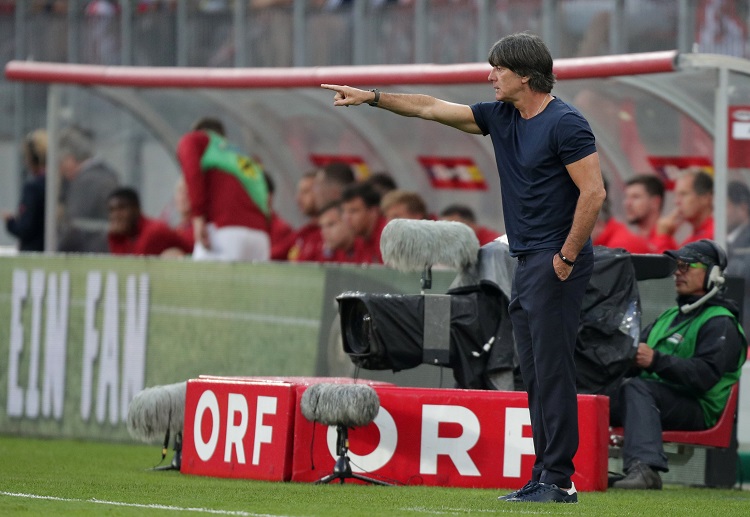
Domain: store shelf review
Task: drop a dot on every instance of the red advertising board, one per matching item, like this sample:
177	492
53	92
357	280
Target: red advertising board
254	429
453	173
297	381
462	438
669	168
238	429
242	426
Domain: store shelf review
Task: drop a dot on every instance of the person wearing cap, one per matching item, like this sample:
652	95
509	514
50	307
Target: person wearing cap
687	362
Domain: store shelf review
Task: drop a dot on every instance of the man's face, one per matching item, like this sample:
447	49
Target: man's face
737	214
357	215
639	204
123	216
400	211
336	233
68	167
324	190
690	205
688	279
507	84
306	196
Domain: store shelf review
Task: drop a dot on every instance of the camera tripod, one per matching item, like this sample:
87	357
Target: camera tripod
342	470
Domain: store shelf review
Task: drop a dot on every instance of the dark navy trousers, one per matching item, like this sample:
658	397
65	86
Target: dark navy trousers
546	313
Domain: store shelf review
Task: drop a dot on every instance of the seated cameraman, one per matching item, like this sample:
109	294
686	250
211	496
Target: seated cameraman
691	357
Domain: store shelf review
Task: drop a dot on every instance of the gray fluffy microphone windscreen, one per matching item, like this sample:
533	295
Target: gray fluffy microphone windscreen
412	245
350	405
155	410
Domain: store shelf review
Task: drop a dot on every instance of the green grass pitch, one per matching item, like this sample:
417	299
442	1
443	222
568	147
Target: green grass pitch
61	478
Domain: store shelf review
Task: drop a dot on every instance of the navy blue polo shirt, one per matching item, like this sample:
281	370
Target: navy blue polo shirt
539	197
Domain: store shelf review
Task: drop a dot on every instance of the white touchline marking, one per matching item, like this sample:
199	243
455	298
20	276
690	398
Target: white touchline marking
137	505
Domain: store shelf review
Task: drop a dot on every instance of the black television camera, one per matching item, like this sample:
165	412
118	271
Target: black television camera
468	328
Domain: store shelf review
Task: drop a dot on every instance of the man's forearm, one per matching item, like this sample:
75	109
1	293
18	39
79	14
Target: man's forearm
459	116
584	219
407	104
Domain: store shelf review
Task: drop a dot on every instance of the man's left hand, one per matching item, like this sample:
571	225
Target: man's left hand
562	270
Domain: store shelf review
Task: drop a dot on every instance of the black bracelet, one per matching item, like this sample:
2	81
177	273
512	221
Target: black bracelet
565	259
375	101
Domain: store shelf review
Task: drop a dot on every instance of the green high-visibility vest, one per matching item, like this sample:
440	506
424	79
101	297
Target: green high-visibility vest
225	157
680	341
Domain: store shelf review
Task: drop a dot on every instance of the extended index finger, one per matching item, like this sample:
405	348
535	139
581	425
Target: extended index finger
334	87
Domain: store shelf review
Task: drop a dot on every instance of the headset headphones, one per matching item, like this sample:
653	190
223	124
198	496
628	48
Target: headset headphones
715	271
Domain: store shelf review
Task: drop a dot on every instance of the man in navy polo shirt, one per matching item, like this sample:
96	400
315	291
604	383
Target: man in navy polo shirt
552	191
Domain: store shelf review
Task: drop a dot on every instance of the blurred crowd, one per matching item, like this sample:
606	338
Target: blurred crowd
224	205
222	187
345	214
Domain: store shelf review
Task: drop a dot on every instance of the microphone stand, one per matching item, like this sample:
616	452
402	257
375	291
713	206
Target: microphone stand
177	458
426	280
342	470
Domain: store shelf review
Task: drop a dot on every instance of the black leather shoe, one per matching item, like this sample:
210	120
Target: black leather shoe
639	477
544	493
531	485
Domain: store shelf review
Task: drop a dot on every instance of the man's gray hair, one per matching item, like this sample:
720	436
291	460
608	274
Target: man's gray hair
76	142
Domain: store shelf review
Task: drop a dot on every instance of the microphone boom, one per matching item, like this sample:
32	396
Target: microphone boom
155	411
348	405
413	245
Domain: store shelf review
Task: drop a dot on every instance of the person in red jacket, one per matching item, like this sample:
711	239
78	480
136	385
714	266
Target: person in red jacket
279	229
131	233
643	203
228	196
464	214
361	207
402	204
338	238
305	242
611	233
694	200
